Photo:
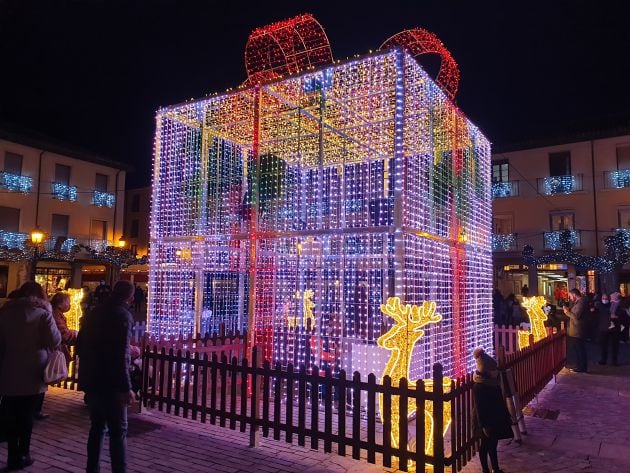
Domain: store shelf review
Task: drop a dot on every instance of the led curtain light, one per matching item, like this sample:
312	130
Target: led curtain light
295	209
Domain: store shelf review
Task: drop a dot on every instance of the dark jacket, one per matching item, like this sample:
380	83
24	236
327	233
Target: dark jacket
27	334
603	316
490	414
103	348
578	314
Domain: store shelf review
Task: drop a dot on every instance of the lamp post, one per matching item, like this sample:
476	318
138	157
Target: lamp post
37	238
122	242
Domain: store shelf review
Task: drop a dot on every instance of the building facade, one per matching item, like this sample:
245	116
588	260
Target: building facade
581	186
136	229
74	198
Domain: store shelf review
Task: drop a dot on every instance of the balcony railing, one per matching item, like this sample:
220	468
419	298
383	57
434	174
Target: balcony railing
625	233
504	189
64	192
15	182
554	185
504	242
99	245
553	240
13	240
63	244
617	179
103	199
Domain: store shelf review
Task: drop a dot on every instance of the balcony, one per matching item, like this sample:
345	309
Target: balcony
555	185
504	189
553	240
64	192
103	199
15	182
60	243
99	245
617	179
13	240
625	233
504	242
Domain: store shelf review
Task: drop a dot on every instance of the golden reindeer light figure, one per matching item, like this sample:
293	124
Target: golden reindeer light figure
308	304
537	318
400	340
75	313
293	321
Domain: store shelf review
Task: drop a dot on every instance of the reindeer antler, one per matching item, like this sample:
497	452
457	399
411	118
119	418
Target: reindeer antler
424	315
396	311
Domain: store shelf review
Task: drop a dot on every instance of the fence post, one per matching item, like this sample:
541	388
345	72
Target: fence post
254	432
438	419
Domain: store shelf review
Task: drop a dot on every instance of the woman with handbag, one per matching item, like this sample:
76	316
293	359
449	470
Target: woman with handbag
60	303
27	334
491	419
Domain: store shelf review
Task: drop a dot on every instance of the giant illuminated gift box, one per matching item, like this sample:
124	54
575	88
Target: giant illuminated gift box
299	206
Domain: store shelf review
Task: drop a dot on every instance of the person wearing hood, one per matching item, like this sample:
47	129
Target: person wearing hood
491	419
27	335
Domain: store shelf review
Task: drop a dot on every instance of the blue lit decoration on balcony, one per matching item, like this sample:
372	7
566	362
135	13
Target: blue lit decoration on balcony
559	185
553	240
15	182
103	199
620	179
616	255
13	240
503	241
64	192
625	235
501	189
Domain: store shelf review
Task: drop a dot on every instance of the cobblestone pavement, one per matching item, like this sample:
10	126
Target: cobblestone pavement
592	431
591	434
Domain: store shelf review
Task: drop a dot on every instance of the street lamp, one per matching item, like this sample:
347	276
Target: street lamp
37	238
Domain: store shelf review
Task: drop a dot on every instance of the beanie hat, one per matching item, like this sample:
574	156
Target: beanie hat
487	369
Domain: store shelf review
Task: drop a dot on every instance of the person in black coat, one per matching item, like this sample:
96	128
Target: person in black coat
491	419
104	359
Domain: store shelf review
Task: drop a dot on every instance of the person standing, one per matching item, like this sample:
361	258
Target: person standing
101	293
491	419
27	334
60	303
578	314
104	357
138	299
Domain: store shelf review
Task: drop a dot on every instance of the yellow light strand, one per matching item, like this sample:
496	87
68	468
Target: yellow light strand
400	340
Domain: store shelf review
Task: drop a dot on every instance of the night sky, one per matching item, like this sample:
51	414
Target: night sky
93	73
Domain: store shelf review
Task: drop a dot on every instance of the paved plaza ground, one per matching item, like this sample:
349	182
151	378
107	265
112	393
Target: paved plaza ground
590	434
